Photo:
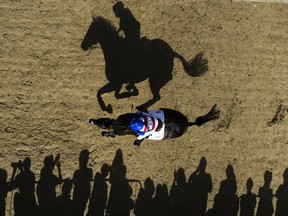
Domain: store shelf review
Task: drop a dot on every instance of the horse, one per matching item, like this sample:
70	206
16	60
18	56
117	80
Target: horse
133	62
174	123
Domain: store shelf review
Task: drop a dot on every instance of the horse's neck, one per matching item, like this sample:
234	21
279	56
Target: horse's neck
110	46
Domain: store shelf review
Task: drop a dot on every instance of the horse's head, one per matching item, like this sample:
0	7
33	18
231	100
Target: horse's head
91	37
99	29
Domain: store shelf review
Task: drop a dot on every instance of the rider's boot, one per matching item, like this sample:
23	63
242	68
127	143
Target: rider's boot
138	142
108	134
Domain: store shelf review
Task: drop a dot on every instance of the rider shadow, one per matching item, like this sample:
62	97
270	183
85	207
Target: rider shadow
128	23
132	59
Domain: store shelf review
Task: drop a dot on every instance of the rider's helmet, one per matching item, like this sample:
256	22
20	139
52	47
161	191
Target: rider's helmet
136	125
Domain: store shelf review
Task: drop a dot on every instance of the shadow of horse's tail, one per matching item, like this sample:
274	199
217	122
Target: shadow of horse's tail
213	114
195	67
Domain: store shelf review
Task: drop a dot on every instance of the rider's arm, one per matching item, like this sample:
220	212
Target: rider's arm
146	135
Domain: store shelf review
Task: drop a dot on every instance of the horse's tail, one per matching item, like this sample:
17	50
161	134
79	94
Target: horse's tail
195	67
213	114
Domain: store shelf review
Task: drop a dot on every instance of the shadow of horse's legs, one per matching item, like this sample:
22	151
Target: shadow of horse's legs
109	87
156	86
131	91
156	97
151	101
132	88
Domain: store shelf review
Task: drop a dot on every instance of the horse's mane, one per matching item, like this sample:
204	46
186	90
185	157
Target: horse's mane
105	25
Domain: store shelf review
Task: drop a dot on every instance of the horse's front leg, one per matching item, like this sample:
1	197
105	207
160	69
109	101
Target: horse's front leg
109	87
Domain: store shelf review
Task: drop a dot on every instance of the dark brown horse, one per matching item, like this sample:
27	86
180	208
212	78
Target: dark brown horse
133	62
175	123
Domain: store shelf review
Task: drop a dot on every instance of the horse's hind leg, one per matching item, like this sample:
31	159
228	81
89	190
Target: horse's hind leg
156	97
105	89
131	91
156	84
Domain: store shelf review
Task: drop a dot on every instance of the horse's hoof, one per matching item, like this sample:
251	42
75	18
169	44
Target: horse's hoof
109	109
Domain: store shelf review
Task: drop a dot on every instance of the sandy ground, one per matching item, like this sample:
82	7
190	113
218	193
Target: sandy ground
48	87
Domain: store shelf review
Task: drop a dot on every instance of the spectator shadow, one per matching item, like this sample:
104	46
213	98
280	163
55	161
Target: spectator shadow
185	198
46	187
143	205
161	201
200	184
282	196
265	204
98	200
24	199
3	190
226	202
81	180
64	204
248	201
119	201
179	194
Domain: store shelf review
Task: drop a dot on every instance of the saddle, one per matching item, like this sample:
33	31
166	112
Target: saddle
159	132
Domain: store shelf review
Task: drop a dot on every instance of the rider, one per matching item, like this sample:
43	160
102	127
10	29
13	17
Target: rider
128	23
144	125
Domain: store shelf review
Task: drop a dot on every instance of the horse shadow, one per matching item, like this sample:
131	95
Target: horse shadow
131	59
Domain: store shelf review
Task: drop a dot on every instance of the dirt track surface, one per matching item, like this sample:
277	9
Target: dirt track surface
48	87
